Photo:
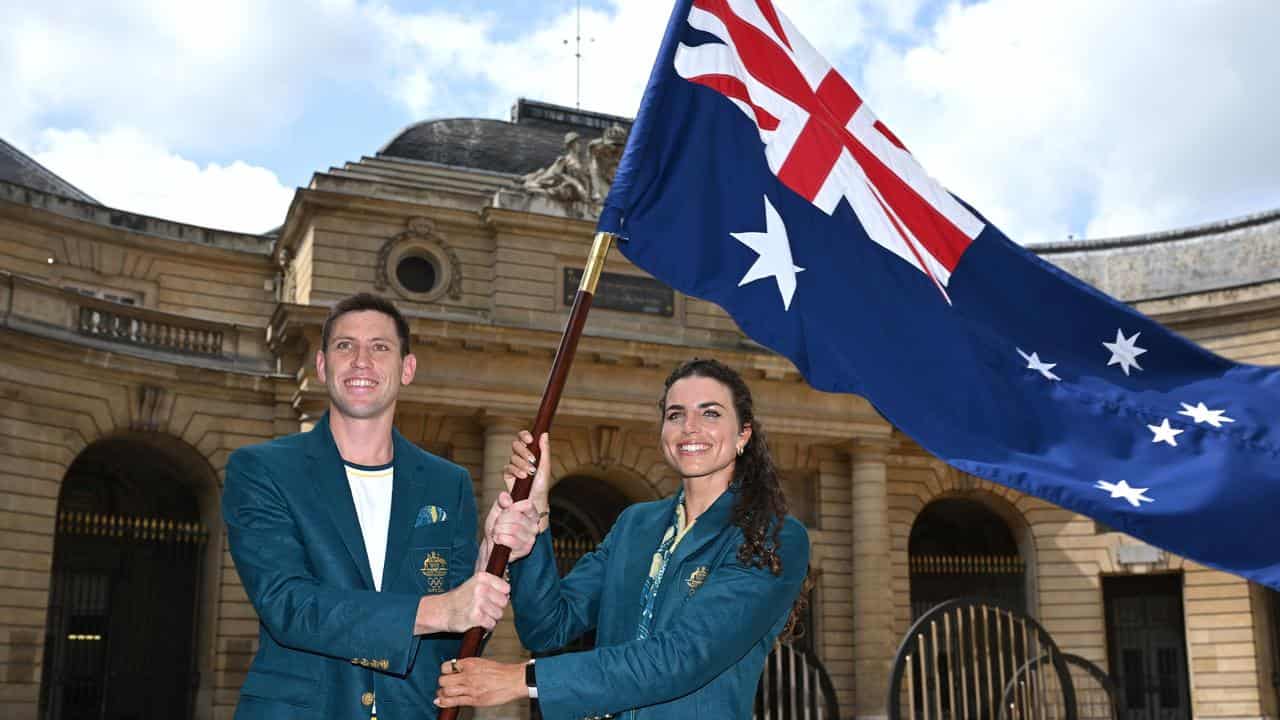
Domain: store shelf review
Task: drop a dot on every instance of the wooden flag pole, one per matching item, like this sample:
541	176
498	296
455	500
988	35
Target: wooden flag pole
546	411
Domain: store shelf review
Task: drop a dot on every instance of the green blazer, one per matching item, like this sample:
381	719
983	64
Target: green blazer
329	644
715	619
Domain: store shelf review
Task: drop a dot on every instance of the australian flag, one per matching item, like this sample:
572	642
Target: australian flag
755	177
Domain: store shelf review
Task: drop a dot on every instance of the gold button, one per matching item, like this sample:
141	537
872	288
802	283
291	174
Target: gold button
366	699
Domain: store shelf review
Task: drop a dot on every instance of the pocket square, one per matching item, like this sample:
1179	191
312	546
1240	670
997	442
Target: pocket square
430	515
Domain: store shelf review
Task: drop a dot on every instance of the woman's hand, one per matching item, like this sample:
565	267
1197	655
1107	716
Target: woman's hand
480	683
521	466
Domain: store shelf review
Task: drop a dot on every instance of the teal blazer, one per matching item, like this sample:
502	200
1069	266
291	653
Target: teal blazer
715	619
329	644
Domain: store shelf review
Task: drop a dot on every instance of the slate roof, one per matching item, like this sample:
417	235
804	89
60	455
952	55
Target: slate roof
19	168
530	141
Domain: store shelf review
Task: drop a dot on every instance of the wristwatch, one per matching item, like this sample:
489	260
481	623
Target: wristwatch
531	680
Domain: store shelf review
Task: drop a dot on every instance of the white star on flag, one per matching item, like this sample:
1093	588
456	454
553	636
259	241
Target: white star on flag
1035	363
1202	414
1165	433
1136	496
775	254
1124	351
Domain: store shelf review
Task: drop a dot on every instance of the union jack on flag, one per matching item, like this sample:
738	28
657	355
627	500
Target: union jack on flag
755	177
821	139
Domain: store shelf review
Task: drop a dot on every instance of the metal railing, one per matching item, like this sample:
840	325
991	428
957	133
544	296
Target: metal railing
131	527
795	686
977	659
1095	692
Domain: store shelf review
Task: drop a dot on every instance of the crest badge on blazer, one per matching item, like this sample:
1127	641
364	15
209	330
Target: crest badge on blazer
430	515
696	578
435	568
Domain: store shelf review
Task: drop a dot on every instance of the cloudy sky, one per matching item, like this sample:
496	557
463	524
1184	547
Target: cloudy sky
1054	118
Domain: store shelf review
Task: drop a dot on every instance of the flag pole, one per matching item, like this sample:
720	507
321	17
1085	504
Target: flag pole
546	411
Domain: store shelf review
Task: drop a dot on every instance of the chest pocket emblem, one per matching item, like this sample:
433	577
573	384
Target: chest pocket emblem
696	578
434	569
430	515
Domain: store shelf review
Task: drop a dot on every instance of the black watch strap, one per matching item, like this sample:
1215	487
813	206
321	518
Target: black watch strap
531	682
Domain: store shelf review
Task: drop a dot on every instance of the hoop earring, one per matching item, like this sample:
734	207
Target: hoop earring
740	448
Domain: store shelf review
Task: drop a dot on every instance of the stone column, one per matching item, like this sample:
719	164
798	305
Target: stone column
873	640
503	645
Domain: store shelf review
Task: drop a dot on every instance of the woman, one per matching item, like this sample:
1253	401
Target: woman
683	630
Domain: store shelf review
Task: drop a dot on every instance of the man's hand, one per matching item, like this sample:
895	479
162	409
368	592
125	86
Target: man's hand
480	683
514	524
478	602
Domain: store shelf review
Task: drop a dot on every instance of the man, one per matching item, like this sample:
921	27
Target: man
357	548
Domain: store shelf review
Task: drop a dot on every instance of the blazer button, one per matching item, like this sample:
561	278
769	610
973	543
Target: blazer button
366	699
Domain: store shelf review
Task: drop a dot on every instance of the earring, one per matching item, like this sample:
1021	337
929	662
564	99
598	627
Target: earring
740	449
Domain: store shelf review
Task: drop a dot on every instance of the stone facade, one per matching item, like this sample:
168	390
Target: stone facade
213	351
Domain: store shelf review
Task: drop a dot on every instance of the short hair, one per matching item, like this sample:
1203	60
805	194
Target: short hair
366	301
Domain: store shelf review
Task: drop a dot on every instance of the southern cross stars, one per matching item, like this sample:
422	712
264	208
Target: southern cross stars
1035	363
1124	351
1136	496
775	254
1202	414
1165	433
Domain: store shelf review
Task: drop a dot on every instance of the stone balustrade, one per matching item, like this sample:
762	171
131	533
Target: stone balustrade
47	310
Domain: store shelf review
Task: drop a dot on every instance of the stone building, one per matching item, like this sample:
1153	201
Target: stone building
136	353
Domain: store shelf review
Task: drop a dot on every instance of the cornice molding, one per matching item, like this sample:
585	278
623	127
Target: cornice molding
138	232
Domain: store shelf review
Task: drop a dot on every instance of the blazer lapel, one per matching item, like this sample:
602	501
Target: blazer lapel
705	528
408	490
326	466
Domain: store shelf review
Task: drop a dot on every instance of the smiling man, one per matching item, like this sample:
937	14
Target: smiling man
357	548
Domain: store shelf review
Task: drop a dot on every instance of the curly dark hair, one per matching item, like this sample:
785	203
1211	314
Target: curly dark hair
761	504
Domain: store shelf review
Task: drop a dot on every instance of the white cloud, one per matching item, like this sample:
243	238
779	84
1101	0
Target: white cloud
1107	118
200	76
618	48
1053	117
122	168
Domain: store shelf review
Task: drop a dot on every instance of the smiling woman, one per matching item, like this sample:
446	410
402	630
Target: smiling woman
671	568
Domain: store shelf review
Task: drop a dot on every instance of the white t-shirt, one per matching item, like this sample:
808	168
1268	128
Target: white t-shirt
371	491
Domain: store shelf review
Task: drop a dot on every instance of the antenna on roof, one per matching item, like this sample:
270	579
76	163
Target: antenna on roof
577	56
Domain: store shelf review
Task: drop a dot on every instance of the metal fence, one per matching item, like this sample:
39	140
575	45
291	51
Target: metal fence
795	686
977	659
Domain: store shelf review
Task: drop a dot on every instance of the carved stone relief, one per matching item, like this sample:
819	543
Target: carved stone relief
579	179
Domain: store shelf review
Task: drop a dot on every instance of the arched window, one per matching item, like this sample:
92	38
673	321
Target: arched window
128	554
961	548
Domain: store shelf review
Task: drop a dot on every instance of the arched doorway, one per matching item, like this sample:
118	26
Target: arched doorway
123	599
583	508
961	548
